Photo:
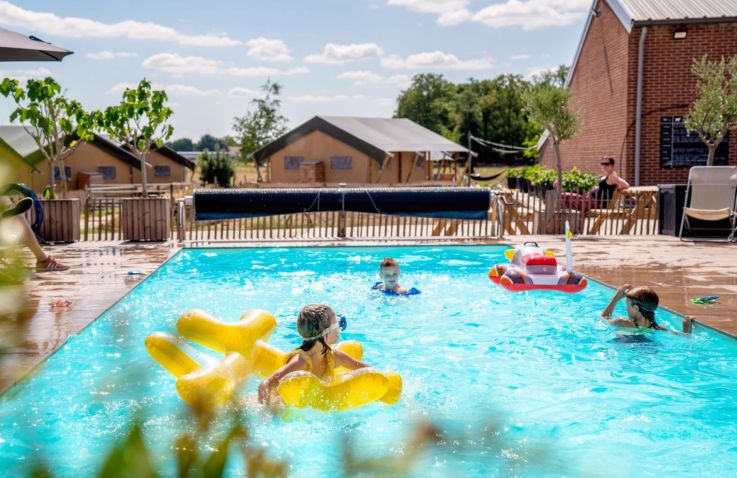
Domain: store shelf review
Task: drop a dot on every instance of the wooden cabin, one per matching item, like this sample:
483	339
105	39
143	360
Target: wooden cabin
354	150
101	160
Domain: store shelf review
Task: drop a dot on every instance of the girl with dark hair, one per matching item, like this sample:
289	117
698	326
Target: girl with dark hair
319	328
641	305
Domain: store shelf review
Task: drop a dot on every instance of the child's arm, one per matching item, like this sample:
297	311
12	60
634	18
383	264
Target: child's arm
619	295
345	360
295	364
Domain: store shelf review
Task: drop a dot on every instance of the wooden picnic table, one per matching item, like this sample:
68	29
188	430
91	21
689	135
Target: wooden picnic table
645	201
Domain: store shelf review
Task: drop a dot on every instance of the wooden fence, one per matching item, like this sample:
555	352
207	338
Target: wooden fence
630	212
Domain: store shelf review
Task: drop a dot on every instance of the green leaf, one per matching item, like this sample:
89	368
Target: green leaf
129	458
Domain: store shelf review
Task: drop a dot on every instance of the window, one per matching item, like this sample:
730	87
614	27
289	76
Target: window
292	163
162	171
420	163
108	172
67	171
341	162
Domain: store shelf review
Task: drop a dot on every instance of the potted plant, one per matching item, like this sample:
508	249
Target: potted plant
513	174
140	123
56	124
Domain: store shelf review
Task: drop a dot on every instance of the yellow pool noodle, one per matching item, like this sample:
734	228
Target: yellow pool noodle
204	329
166	349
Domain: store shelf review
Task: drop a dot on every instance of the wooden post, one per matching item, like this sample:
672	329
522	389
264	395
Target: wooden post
412	168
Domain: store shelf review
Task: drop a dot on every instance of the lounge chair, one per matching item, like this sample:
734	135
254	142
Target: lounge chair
711	195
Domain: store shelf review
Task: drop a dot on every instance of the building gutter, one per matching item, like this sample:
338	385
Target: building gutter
638	111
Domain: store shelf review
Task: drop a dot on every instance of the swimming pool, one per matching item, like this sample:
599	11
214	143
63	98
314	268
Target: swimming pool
510	378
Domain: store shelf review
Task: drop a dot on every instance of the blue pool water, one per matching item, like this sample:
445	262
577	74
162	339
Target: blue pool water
528	384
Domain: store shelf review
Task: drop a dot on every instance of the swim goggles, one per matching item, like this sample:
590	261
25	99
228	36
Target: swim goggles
342	324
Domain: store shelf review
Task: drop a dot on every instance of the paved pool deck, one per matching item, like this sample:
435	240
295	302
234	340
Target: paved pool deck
103	272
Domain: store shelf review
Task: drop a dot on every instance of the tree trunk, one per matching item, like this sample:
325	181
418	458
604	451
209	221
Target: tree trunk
52	179
559	196
712	153
144	182
64	187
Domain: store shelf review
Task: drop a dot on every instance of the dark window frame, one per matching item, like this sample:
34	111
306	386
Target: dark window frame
341	163
67	170
293	163
105	171
158	169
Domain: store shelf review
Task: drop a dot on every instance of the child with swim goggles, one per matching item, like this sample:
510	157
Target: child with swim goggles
319	328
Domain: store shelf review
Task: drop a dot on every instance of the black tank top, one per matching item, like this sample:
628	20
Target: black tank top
605	191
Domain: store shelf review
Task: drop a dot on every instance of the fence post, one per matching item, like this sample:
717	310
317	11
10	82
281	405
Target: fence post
342	214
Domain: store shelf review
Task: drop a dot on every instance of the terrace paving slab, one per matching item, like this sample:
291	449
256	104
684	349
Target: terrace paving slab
99	276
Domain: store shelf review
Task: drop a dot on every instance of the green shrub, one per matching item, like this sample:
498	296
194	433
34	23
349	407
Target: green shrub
577	181
215	168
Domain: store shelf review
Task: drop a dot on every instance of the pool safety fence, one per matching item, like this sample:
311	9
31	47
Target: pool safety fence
511	212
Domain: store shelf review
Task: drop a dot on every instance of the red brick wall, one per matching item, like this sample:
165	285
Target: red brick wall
604	93
599	94
669	88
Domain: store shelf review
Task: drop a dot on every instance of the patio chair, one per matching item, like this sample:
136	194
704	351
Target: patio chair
711	195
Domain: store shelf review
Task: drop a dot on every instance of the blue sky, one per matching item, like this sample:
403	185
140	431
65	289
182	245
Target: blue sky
333	57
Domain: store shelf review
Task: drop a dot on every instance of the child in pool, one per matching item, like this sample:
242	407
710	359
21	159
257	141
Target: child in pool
319	328
389	273
641	305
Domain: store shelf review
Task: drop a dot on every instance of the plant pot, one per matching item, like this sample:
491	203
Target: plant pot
61	220
511	182
145	219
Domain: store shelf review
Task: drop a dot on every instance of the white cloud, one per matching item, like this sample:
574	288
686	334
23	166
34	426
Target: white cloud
268	49
435	60
533	14
76	27
360	77
449	12
26	74
539	71
334	54
256	71
520	57
180	65
401	80
240	92
325	98
528	14
109	55
173	89
187	90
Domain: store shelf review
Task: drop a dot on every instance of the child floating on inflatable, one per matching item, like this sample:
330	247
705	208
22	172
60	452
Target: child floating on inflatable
389	284
319	328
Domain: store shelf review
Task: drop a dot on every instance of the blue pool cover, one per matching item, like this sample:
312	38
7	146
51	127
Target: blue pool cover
450	203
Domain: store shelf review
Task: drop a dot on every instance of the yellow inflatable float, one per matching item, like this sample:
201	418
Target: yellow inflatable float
246	351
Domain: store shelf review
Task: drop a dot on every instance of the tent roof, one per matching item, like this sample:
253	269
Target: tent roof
377	137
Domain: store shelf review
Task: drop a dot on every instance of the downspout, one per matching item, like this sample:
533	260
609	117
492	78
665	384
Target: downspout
638	112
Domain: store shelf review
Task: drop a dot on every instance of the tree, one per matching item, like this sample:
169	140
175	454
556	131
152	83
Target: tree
261	126
210	143
54	122
547	105
182	144
715	111
215	168
140	122
429	101
555	77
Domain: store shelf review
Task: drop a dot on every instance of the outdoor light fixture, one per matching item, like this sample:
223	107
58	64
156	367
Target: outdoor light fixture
680	34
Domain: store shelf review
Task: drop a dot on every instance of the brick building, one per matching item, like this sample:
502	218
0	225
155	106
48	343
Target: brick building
644	49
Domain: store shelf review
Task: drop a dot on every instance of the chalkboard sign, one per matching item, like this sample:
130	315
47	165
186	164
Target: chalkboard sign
678	149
